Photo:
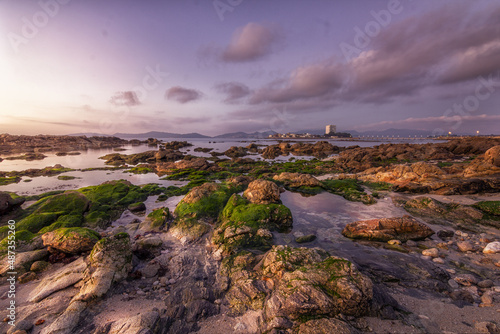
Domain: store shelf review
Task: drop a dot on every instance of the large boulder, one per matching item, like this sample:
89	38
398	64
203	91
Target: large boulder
385	229
262	192
493	156
311	284
72	240
295	180
197	193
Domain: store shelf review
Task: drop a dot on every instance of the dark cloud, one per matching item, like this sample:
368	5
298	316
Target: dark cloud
182	95
250	43
127	98
234	91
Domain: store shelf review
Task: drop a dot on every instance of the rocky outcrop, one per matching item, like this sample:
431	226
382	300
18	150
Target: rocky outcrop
320	149
72	240
109	262
236	152
262	192
61	279
492	156
195	163
43	143
385	229
149	322
293	284
295	180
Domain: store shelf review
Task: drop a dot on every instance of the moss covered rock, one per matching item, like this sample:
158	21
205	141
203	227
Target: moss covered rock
248	225
156	220
350	189
71	240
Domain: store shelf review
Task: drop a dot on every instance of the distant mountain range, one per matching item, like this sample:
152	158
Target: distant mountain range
256	135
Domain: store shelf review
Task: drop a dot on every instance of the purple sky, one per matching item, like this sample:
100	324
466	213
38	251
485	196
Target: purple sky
212	67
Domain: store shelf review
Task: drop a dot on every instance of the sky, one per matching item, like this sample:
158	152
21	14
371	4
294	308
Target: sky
218	66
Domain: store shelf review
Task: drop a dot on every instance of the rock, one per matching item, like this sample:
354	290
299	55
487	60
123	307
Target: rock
155	221
487	299
148	322
262	192
395	242
72	240
305	238
61	279
462	295
39	266
492	156
445	234
67	321
149	242
326	326
485	284
7	203
110	262
487	327
466	279
432	252
137	207
295	180
438	260
27	277
385	229
21	325
465	246
150	270
197	193
453	283
309	282
25	260
492	248
411	243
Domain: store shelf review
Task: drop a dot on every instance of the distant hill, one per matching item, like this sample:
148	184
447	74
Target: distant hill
158	134
89	134
245	135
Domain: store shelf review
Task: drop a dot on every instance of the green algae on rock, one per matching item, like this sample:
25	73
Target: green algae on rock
350	189
71	240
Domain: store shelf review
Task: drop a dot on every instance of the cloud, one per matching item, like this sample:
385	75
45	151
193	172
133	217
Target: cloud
189	120
311	81
182	95
127	98
251	42
234	91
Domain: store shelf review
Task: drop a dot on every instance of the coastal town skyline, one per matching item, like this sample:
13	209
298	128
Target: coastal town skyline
226	66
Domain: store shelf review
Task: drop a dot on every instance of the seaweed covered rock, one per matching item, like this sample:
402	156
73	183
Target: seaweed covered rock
294	285
385	229
155	221
459	215
350	189
200	206
310	283
111	198
72	240
262	192
52	212
248	225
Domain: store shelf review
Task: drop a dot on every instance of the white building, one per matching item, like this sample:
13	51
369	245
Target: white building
331	129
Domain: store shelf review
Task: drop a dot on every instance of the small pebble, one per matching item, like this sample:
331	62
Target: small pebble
438	260
465	246
426	257
411	243
453	284
394	242
487	283
432	252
